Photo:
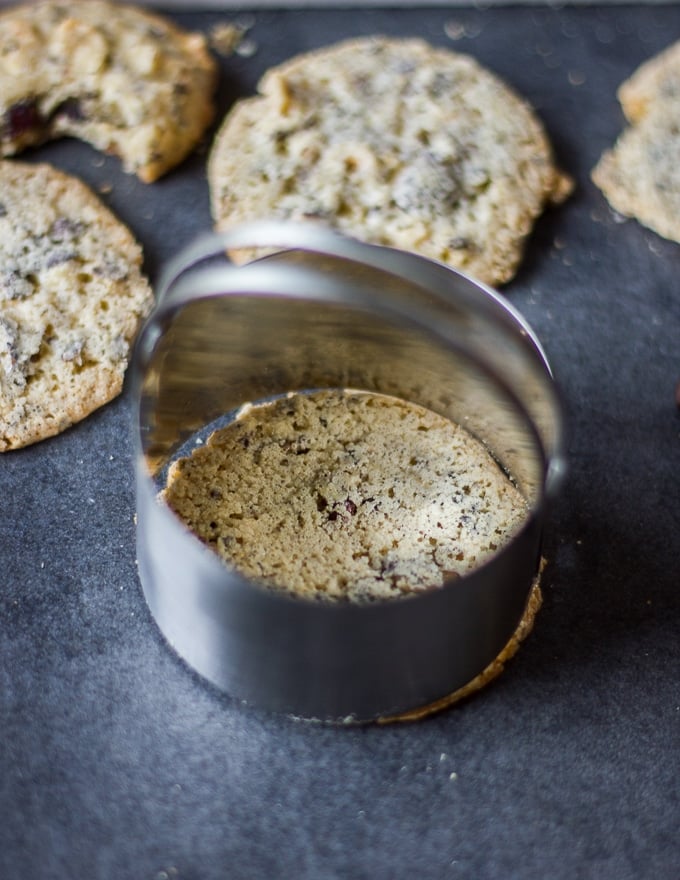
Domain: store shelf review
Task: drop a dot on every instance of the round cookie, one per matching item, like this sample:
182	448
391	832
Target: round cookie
394	142
640	176
72	296
126	81
346	496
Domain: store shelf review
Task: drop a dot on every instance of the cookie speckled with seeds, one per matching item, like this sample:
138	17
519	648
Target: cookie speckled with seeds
127	81
346	496
640	176
72	296
394	142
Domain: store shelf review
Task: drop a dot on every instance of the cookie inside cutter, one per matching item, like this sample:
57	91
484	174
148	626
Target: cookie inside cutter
345	496
328	312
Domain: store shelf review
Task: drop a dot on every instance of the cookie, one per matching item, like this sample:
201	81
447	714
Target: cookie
346	496
492	671
72	296
394	142
126	81
640	175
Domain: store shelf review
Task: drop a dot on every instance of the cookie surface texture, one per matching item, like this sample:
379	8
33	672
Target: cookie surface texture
125	80
72	296
640	175
346	496
394	142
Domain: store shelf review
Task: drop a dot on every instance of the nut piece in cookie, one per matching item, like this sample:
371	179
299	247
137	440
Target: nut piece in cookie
394	142
640	175
126	81
72	296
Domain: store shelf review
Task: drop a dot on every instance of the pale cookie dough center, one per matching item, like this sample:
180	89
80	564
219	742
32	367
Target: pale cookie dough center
346	495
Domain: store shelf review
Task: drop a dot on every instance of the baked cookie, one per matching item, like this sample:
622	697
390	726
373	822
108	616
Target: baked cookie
394	142
346	496
492	671
72	296
640	176
126	81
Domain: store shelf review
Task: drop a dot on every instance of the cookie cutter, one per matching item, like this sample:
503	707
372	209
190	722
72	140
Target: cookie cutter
322	310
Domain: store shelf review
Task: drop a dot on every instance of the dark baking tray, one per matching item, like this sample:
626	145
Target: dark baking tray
117	761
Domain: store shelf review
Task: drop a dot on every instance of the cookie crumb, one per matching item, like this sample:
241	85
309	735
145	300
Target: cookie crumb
576	78
226	38
454	29
246	48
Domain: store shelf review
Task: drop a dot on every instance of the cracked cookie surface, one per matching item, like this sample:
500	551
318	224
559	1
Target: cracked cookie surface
125	80
346	495
640	175
394	142
72	296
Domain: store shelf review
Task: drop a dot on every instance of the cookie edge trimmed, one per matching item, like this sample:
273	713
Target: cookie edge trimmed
490	672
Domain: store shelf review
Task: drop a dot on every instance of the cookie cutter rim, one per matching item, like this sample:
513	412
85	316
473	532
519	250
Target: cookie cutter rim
226	627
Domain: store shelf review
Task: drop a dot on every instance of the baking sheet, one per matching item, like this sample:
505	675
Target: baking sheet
117	761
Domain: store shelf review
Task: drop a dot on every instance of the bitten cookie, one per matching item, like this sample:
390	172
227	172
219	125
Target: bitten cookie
394	142
72	296
346	496
126	81
640	176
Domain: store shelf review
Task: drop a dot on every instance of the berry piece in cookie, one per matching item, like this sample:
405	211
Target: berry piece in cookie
72	296
126	81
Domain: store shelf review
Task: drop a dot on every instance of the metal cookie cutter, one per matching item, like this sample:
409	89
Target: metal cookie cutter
324	311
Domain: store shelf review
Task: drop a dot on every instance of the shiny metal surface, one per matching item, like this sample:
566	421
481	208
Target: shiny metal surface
326	311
